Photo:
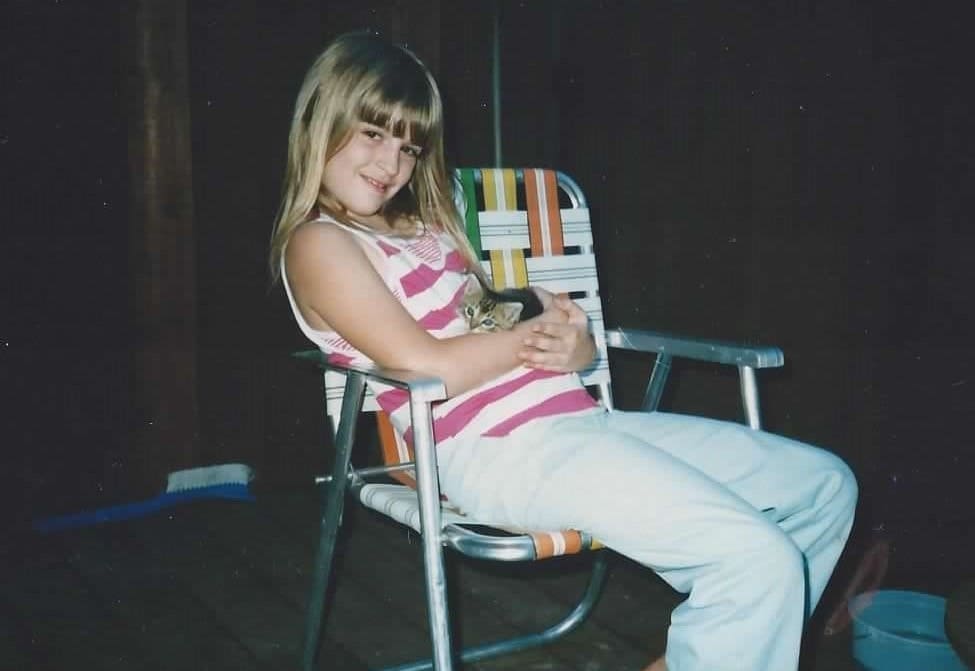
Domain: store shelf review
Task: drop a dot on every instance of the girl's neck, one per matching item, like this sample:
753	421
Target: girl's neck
402	227
376	223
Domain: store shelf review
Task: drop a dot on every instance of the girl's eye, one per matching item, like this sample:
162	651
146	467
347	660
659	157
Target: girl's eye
411	150
372	134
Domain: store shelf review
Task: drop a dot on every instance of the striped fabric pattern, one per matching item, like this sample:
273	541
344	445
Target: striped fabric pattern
424	272
497	230
508	268
558	241
537	242
544	220
400	503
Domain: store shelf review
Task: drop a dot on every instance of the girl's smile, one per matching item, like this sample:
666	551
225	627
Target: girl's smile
369	170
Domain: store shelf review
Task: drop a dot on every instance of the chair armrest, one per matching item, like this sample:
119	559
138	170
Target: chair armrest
715	351
423	391
666	346
423	388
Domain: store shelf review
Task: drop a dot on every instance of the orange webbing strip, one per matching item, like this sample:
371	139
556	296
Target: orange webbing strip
544	216
556	543
392	450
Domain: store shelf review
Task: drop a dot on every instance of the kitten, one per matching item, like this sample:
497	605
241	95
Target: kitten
486	309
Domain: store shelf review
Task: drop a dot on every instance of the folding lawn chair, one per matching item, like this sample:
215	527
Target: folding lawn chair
530	227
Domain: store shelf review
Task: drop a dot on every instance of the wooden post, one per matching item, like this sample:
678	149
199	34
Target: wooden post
162	253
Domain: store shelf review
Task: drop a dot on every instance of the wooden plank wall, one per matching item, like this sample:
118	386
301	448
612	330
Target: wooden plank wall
795	176
162	261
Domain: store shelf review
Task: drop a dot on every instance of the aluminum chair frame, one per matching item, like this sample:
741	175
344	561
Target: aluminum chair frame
423	391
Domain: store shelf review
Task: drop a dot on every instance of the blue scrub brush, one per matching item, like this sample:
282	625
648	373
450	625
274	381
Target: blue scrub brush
225	481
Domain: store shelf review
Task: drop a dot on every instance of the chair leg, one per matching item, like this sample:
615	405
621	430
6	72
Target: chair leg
333	501
428	491
436	584
658	379
569	623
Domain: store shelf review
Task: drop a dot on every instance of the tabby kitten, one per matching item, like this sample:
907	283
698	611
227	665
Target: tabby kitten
486	309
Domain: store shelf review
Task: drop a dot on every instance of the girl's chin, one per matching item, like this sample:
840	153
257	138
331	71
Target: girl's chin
369	208
365	214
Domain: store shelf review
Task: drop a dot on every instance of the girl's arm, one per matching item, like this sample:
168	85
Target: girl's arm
337	287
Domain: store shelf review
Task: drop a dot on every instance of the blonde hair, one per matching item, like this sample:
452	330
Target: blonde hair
363	78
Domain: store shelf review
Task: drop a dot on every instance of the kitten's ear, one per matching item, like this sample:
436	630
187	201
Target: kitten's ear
511	311
473	288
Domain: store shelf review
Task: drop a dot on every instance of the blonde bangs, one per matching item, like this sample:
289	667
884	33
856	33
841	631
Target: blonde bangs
409	110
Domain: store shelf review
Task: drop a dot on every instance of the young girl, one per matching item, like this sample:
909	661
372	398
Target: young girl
369	244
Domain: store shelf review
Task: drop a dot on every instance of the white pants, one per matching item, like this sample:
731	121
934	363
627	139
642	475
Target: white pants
747	523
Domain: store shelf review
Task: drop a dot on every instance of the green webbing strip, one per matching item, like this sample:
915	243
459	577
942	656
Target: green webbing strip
470	216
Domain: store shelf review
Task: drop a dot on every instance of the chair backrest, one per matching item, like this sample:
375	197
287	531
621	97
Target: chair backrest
529	226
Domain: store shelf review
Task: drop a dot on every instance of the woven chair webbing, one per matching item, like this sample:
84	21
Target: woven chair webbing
508	266
508	269
400	503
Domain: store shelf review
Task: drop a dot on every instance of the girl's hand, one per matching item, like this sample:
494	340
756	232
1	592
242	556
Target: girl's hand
558	340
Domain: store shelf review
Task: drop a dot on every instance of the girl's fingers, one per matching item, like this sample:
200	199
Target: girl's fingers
575	313
547	341
552	329
554	316
541	345
555	346
544	361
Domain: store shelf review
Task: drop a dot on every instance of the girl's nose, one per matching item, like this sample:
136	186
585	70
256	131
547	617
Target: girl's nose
388	158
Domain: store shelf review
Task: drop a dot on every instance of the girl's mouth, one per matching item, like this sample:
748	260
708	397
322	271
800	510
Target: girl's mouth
378	186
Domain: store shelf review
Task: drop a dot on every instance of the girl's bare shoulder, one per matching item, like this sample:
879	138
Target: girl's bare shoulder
323	250
314	240
316	231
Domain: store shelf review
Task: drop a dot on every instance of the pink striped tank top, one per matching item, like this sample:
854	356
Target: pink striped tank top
427	275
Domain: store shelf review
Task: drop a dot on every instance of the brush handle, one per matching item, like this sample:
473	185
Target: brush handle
128	511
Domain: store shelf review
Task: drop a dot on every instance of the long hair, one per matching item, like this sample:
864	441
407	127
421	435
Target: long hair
363	78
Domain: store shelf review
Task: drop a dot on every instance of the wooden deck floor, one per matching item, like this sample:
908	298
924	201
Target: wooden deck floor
221	585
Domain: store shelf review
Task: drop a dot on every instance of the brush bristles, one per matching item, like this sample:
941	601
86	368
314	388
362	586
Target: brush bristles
209	476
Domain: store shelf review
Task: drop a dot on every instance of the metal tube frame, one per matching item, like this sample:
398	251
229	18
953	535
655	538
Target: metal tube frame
333	500
749	396
433	539
564	626
428	489
655	386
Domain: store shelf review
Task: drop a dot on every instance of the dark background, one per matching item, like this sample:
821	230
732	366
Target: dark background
795	173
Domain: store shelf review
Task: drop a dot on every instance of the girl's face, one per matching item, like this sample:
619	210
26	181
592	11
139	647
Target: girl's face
368	171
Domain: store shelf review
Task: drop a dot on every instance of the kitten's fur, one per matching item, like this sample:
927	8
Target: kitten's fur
486	309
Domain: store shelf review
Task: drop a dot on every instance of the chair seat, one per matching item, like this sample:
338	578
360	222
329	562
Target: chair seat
473	537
